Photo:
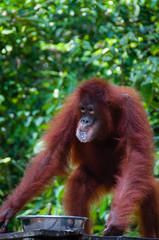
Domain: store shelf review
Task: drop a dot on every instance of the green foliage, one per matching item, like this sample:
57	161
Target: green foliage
46	49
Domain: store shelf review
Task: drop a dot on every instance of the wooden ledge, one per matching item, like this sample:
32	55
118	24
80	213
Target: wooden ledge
58	235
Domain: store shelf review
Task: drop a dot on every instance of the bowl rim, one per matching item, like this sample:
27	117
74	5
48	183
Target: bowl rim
52	216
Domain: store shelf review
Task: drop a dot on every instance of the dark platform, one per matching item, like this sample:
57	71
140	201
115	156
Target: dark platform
41	234
57	235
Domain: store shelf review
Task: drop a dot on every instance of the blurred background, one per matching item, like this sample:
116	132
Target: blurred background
46	49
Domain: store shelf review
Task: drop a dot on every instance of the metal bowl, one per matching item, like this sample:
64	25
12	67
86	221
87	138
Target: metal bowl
50	222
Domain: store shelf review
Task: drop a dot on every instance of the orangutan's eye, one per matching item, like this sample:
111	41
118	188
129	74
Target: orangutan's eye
82	109
91	111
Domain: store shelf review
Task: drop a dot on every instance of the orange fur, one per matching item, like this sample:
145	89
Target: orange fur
123	161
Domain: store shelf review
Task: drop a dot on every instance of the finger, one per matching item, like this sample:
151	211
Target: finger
107	232
112	231
6	223
3	228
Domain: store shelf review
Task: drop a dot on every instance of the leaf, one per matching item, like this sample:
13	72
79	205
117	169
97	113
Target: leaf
1	193
92	59
45	210
6	32
5	160
2	98
154	49
59	192
123	41
39	121
4	19
28	121
39	147
147	92
31	19
137	10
